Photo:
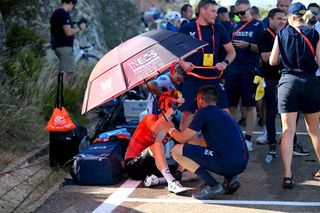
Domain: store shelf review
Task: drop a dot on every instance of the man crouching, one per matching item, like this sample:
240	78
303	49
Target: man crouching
222	149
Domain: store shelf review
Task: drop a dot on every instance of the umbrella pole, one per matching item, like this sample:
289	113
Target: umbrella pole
154	98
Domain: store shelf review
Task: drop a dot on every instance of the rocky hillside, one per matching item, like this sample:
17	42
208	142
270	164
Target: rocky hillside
110	21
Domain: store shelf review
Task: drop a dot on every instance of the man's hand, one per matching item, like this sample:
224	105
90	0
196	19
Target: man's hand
221	66
240	44
186	66
167	125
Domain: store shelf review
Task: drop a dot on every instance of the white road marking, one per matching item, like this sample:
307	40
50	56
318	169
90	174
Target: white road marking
230	202
116	198
278	133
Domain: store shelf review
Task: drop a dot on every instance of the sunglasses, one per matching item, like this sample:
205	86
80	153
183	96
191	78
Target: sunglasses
241	13
315	13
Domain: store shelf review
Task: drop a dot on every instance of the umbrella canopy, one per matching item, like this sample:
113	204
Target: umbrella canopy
135	61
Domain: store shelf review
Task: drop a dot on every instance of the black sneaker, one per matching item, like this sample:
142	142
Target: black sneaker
209	192
299	150
231	185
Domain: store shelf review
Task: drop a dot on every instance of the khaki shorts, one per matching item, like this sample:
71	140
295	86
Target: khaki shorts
66	58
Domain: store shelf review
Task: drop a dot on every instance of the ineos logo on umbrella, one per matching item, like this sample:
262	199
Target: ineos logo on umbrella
147	57
106	84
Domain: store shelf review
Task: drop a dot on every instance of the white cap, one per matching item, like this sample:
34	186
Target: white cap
171	15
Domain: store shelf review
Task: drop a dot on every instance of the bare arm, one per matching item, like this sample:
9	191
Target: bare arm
152	87
183	137
245	45
318	53
274	56
69	31
231	54
265	56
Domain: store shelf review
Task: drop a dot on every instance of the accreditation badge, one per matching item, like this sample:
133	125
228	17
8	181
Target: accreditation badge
207	59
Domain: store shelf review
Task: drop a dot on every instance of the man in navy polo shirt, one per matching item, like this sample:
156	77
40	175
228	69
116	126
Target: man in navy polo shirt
282	5
240	74
62	36
271	74
222	150
215	34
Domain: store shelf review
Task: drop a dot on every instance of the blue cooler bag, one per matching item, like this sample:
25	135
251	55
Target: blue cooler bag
99	164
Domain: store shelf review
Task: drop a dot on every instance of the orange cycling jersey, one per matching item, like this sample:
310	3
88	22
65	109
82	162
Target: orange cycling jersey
142	137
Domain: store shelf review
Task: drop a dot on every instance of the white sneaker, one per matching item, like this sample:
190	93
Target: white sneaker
151	180
263	138
249	145
176	187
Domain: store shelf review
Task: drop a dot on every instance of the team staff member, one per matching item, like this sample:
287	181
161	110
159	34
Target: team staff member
297	89
217	38
221	153
270	73
62	36
240	74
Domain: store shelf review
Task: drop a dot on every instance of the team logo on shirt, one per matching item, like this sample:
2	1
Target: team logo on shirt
245	34
256	24
208	152
192	34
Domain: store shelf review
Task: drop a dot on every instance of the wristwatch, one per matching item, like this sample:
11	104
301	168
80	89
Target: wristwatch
226	61
171	130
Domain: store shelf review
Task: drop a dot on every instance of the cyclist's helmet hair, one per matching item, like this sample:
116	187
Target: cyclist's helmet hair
171	15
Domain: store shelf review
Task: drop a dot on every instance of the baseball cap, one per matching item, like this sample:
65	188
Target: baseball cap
297	9
222	10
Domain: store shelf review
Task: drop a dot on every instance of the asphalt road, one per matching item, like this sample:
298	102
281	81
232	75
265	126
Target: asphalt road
261	191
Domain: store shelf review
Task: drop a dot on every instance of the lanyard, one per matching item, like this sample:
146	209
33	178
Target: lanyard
271	32
200	36
241	28
306	39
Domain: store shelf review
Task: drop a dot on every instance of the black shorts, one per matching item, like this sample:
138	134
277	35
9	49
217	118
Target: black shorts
143	165
298	92
241	85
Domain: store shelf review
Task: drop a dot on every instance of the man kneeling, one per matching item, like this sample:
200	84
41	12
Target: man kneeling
222	149
145	159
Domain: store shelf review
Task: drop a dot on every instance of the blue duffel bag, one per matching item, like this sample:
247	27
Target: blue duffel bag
99	164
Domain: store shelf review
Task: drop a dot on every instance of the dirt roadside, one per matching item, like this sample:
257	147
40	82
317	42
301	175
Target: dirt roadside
27	181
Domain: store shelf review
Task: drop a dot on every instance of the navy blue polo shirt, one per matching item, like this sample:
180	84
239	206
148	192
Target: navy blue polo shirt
220	37
295	52
265	44
221	133
59	18
249	33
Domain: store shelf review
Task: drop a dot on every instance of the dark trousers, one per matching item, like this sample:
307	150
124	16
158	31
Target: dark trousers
271	109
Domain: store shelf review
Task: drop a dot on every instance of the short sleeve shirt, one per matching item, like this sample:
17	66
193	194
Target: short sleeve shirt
249	33
221	133
59	18
295	52
265	44
221	37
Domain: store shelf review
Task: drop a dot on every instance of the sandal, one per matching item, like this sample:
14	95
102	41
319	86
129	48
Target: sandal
288	182
316	176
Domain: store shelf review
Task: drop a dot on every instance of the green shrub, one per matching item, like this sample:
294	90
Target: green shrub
19	36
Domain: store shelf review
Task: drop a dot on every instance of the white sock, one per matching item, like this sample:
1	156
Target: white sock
167	175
